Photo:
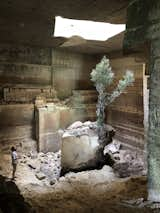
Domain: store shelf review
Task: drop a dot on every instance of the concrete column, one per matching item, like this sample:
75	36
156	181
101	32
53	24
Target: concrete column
145	100
154	125
143	28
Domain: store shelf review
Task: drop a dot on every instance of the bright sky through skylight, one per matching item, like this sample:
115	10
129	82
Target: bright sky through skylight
89	30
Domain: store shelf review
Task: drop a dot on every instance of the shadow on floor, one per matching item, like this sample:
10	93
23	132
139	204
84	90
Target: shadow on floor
11	201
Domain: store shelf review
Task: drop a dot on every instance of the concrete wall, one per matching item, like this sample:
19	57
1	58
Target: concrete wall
24	65
17	126
35	69
71	71
27	72
126	112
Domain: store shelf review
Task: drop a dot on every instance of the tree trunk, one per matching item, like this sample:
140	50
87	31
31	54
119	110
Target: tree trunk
101	114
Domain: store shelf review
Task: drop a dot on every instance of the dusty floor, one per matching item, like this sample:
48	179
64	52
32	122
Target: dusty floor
90	191
86	192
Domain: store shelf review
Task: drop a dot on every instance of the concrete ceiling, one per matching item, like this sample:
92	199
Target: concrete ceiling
98	10
94	47
32	21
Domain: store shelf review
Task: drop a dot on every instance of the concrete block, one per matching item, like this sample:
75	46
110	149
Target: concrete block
78	151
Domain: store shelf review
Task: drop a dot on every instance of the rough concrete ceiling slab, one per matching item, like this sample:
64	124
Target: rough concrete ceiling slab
99	10
32	22
94	47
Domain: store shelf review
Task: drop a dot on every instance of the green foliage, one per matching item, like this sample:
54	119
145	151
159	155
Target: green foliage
102	76
128	79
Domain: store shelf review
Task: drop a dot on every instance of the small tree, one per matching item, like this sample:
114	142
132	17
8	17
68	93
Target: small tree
102	76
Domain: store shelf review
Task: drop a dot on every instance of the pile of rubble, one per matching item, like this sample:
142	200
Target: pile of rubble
81	148
46	167
79	152
127	162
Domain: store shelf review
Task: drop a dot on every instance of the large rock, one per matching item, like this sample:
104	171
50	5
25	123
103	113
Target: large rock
80	147
77	152
129	163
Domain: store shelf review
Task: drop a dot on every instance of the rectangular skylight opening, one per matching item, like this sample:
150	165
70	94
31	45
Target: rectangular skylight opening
89	30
